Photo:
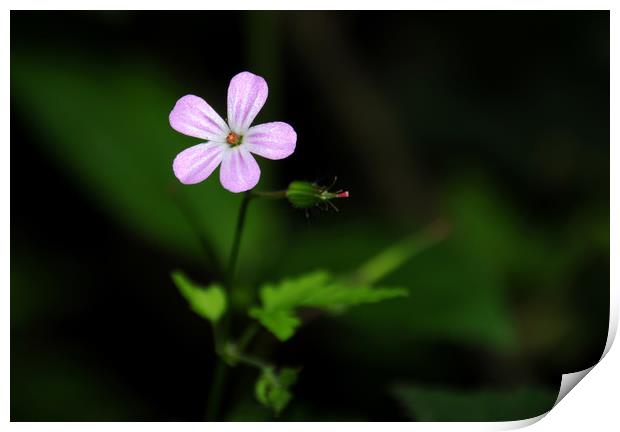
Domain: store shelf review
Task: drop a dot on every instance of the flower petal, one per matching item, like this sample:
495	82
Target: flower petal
196	163
247	94
194	117
275	140
239	171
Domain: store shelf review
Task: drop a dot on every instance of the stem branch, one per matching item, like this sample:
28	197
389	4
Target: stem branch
247	336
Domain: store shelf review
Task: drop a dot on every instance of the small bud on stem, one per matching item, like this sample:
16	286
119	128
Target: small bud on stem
305	195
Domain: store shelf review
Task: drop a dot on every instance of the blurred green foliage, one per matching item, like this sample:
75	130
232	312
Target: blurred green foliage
272	388
317	289
67	389
208	302
424	404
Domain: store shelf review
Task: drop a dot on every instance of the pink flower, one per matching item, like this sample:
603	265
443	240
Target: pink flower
229	143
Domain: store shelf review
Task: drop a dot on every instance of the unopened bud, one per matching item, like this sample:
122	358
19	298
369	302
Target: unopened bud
305	195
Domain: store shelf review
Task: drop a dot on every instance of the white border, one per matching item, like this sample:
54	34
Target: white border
593	404
313	5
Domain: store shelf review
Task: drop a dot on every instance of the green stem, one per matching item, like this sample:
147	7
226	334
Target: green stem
215	396
234	252
252	361
221	332
247	336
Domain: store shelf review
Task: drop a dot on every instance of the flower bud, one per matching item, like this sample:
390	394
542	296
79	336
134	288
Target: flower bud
305	195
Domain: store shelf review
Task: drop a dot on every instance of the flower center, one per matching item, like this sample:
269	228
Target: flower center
233	139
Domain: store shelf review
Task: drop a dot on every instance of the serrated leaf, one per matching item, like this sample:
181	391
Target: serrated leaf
316	289
281	323
208	302
272	388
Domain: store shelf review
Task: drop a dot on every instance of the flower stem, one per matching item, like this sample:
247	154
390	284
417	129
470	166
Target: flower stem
234	252
221	332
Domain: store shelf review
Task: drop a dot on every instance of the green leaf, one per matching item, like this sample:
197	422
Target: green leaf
288	376
272	388
481	405
208	302
281	323
316	289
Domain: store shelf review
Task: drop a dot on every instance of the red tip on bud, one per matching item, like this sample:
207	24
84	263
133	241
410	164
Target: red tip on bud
344	194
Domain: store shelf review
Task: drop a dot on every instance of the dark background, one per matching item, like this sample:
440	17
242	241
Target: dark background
496	123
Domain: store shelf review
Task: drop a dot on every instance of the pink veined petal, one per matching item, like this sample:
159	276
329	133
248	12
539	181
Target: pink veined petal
247	94
194	117
239	171
275	140
196	163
